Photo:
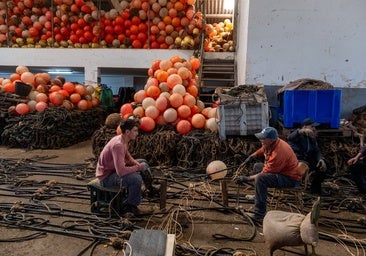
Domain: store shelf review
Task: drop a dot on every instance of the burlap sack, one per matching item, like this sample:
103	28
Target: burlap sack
282	229
309	231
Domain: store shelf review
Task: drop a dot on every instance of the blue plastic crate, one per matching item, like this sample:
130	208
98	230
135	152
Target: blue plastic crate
323	106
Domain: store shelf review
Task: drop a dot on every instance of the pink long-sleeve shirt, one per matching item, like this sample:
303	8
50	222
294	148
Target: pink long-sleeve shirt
115	158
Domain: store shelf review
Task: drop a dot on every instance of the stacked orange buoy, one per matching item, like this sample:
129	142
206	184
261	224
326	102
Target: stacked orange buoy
47	92
170	96
141	24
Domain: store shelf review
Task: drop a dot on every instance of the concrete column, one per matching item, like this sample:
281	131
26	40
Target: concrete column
242	40
92	75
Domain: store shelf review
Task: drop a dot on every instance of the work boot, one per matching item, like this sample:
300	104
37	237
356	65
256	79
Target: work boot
153	191
255	217
135	210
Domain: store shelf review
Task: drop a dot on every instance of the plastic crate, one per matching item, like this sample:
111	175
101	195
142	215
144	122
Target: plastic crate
239	118
323	106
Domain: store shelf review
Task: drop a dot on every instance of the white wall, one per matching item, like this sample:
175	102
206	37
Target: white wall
293	39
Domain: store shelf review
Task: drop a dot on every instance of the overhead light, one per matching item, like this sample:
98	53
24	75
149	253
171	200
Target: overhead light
60	72
229	4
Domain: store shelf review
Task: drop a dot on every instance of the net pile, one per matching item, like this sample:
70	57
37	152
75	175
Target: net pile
55	127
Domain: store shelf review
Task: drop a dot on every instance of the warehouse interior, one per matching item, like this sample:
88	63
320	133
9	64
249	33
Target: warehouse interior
297	59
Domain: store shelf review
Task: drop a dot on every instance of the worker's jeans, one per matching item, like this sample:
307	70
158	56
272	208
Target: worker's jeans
359	175
131	181
262	182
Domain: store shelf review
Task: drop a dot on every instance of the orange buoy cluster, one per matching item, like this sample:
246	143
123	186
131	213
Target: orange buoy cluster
47	92
170	97
143	24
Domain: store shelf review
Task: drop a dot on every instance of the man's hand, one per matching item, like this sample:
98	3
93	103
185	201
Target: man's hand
307	132
143	166
321	165
352	161
242	179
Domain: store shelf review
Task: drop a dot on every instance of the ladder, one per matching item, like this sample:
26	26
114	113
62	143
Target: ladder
218	69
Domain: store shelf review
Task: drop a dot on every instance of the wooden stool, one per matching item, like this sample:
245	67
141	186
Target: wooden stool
293	194
106	200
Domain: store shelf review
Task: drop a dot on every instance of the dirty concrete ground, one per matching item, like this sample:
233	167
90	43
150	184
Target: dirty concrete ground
196	214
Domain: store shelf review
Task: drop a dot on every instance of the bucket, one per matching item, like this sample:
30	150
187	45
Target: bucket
22	89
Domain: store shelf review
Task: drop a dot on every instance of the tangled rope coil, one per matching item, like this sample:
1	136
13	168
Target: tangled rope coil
55	127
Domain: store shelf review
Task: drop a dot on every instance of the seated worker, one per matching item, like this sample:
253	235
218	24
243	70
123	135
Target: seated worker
278	170
303	142
358	169
116	166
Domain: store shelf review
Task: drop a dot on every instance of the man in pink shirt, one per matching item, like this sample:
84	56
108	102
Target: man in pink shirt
116	166
278	170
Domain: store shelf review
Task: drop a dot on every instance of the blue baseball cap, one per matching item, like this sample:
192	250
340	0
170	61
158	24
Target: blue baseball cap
309	121
267	133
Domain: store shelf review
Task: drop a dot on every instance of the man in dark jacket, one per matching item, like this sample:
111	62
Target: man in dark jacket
303	142
357	167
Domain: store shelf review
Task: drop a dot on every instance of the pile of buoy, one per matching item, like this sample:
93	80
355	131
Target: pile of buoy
170	97
47	92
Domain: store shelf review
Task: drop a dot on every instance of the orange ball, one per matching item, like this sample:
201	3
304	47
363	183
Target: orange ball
152	111
160	120
176	100
174	79
161	103
147	124
184	73
13	77
151	81
195	63
192	90
54	88
165	64
139	111
27	77
198	121
69	87
184	111
83	105
41	106
139	96
80	89
194	110
189	100
56	98
41	97
183	127
95	102
162	75
170	115
22	108
126	109
153	91
9	87
74	98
